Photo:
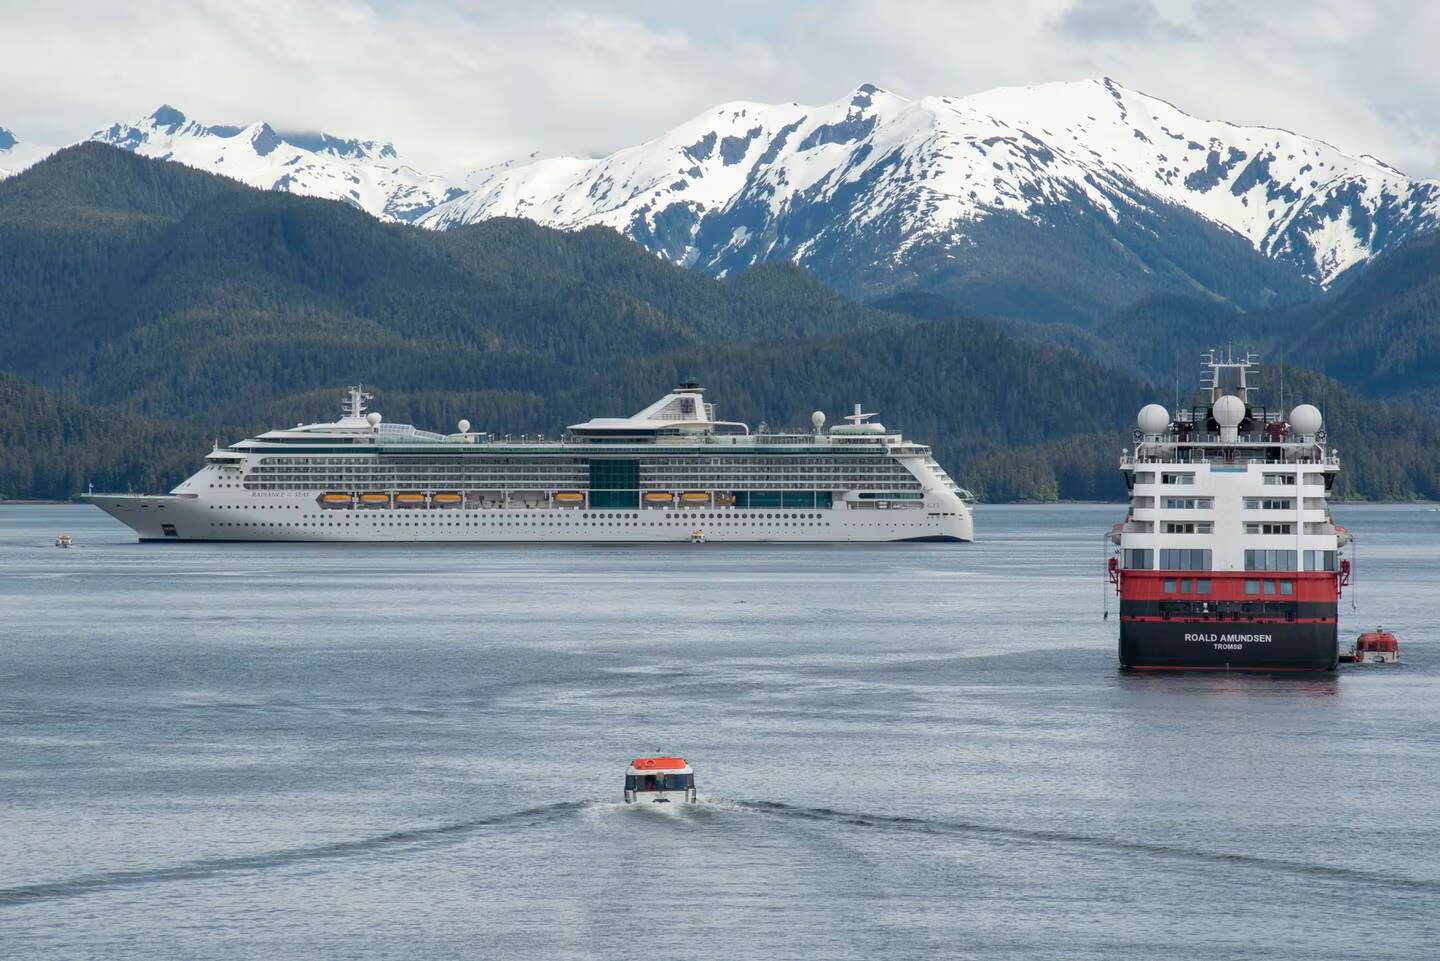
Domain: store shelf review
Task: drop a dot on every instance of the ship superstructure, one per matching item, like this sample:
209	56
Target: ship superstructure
1228	558
671	472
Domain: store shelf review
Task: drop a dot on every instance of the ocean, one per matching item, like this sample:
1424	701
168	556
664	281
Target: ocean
237	751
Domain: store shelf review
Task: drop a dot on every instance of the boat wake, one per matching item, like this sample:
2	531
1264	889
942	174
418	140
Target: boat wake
208	868
974	830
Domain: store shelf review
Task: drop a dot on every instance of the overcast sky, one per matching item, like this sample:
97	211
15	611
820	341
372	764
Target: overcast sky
460	83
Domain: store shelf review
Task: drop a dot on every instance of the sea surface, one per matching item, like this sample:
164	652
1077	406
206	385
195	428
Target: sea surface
903	751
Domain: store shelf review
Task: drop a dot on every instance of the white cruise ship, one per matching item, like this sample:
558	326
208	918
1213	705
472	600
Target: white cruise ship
672	472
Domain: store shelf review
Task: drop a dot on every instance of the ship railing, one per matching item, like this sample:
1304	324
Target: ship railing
1173	456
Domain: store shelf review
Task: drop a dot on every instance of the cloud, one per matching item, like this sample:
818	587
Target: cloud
459	83
1124	19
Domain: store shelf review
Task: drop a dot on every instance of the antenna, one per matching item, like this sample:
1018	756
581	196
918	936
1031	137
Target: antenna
858	418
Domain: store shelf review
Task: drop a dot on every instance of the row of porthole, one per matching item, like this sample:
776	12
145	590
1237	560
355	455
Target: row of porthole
460	524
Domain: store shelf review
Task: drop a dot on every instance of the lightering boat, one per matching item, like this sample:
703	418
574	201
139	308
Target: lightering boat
1374	647
659	780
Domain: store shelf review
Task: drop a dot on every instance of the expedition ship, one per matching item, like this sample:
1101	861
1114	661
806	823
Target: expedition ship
671	472
1228	558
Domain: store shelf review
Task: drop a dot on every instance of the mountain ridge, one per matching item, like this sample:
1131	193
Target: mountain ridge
1077	197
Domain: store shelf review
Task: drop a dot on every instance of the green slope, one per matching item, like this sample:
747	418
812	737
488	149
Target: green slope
149	307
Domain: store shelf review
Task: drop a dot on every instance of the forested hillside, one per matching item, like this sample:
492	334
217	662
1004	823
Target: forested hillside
149	308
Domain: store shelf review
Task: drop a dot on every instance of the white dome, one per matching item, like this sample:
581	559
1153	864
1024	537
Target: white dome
1152	419
1228	411
373	418
1306	419
464	426
818	419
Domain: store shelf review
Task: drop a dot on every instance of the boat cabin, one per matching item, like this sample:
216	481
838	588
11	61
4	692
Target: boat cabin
1377	647
659	780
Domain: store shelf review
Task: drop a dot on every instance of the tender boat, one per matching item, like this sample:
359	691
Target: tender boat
64	540
659	780
1375	647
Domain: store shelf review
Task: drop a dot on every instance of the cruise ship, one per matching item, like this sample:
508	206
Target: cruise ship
1228	558
671	472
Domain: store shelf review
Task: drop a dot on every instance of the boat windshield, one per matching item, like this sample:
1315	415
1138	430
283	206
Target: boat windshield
659	782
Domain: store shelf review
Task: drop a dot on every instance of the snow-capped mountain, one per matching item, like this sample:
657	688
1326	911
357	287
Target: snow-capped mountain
1062	201
875	183
365	173
16	154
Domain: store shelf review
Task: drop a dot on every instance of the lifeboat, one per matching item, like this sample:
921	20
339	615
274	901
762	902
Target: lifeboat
659	780
336	498
697	536
658	497
409	499
446	499
64	540
1375	647
569	497
375	499
695	497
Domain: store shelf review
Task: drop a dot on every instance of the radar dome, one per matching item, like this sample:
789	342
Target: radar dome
1228	411
818	419
464	426
373	418
1306	419
1152	419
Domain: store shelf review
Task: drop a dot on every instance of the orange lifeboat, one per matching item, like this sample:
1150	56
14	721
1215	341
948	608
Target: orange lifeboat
659	780
1376	647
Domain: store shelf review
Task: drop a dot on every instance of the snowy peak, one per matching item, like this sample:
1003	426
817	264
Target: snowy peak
367	174
16	154
727	188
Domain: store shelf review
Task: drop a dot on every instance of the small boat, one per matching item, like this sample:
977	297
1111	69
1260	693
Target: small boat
336	498
659	780
375	499
409	499
695	497
446	499
697	536
659	497
569	497
64	540
1375	647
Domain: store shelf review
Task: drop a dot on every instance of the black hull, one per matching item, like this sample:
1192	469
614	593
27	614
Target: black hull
1211	646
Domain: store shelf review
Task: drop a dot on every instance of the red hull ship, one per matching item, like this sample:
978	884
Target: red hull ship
1228	558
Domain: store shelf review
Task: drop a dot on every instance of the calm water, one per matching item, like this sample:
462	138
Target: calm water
268	751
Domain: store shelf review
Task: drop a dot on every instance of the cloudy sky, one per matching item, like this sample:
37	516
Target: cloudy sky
460	83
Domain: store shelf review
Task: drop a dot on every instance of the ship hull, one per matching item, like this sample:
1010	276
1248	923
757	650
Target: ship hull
296	517
1211	646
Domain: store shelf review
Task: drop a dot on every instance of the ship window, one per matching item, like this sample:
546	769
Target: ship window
1320	560
1252	587
1202	586
1279	479
1269	503
1273	528
1169	587
1269	587
1138	559
1174	559
1144	477
1188	527
1270	560
1186	586
1187	477
1287	587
